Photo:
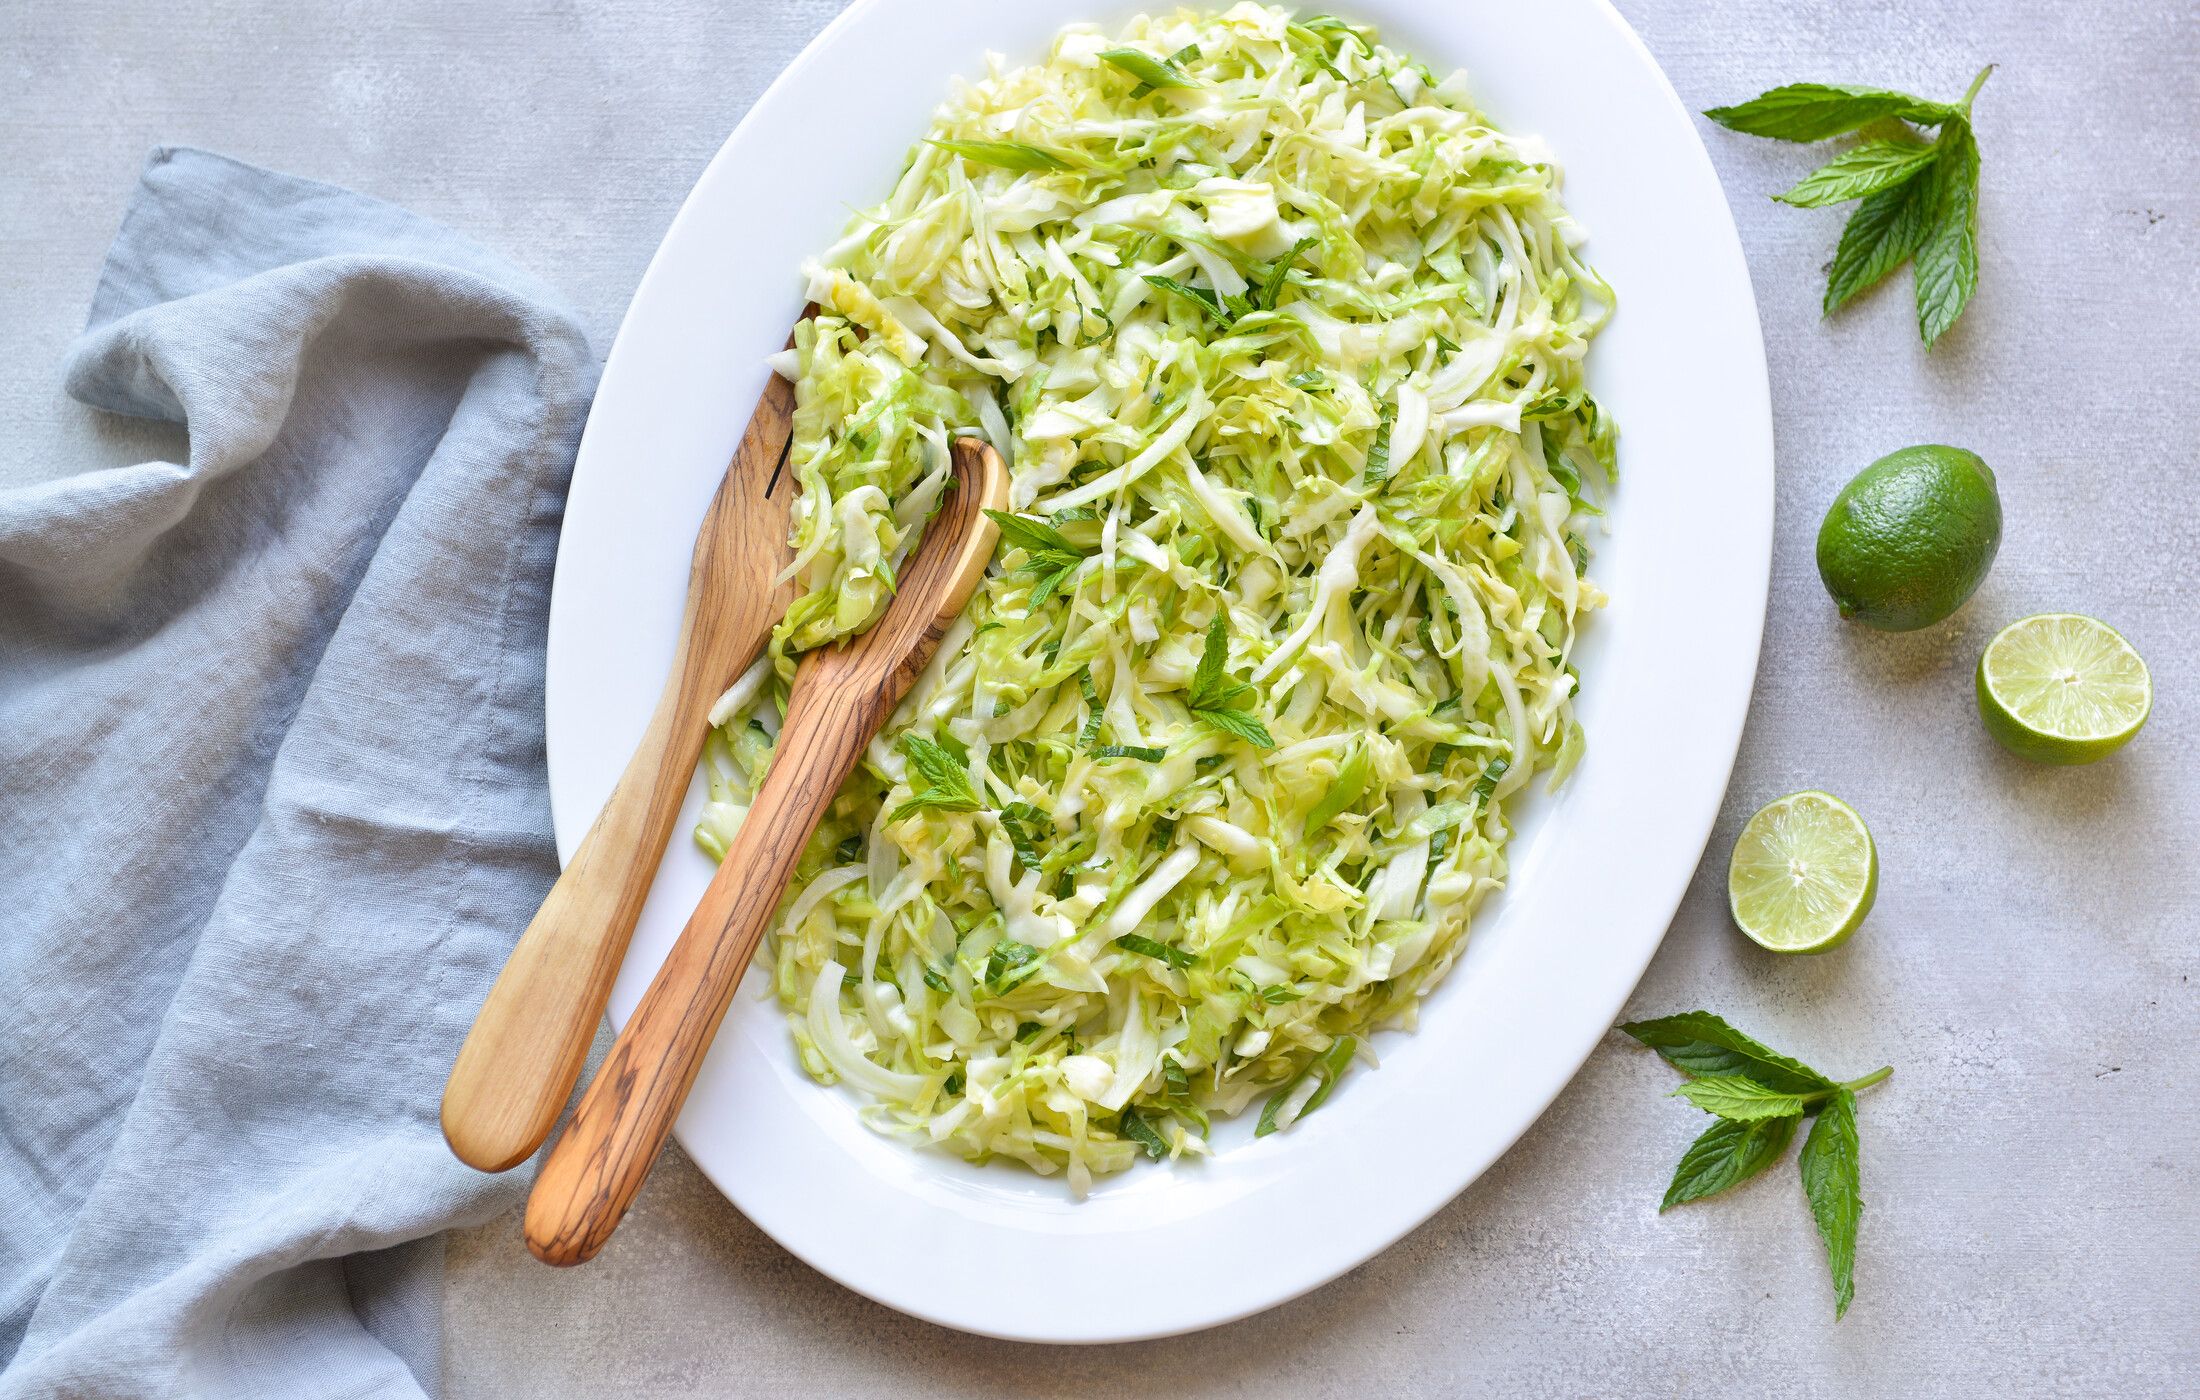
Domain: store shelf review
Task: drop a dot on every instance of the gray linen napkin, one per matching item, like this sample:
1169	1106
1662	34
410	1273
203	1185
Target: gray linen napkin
271	789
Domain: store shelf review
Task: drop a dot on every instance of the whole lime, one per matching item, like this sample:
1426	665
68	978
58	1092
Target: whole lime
1910	538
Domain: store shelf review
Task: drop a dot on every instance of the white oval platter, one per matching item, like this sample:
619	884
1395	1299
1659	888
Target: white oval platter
1597	868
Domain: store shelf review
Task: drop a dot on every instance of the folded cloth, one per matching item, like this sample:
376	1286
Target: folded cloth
272	804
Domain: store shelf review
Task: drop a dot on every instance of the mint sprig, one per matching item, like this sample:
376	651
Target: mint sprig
1218	699
1759	1097
947	785
1919	199
1049	556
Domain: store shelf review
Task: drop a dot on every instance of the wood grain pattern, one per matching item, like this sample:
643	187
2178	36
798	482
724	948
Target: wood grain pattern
842	694
520	1060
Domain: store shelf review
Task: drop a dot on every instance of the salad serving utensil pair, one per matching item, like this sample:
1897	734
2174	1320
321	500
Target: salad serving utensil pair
521	1059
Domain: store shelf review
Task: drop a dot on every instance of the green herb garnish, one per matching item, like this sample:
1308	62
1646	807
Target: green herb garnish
1919	199
1089	736
1378	453
1138	1130
1141	752
947	784
1208	303
1485	787
1009	963
1153	948
1760	1096
1217	699
1050	558
1328	1067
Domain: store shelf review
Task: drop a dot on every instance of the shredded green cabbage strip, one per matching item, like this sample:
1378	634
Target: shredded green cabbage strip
1283	344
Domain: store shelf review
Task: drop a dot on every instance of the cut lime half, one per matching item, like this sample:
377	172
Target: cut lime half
2060	688
1803	874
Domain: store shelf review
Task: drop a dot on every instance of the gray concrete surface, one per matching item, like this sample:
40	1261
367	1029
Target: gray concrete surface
2034	1205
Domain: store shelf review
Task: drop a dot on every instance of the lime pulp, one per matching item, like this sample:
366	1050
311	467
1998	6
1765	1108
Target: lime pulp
2061	688
1803	874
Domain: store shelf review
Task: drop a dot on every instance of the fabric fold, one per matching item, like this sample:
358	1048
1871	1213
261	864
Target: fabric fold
272	785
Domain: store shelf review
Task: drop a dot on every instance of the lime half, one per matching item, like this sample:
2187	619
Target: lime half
1803	875
2060	688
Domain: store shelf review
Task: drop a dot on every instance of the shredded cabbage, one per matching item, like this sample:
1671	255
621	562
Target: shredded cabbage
1283	344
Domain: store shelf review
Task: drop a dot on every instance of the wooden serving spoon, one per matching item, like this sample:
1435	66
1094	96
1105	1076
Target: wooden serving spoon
842	694
525	1050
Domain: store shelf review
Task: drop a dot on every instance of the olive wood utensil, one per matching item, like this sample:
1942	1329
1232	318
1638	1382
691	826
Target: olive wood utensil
520	1060
841	695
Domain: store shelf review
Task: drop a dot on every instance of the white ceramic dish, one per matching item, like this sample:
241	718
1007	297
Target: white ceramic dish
1598	869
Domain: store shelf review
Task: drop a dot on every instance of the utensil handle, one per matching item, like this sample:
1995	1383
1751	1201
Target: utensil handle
599	1164
531	1036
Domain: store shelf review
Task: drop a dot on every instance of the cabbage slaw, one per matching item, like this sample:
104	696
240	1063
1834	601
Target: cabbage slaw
1283	344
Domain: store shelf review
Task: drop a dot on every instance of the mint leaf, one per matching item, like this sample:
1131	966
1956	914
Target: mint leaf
1728	1154
1034	536
947	784
1138	1130
1052	578
1833	1183
1270	285
1152	72
1152	948
1051	558
1219	700
1328	1066
1025	826
1206	301
1089	736
1859	171
1815	111
1485	787
1009	963
1553	404
1378	453
1947	261
1705	1046
1740	1100
1211	687
1240	725
1760	1095
1881	235
1008	155
1141	752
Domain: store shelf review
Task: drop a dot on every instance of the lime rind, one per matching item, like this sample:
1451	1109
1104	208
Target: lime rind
2062	688
1803	874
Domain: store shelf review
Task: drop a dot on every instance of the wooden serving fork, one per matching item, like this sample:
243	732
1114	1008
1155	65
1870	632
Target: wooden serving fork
842	694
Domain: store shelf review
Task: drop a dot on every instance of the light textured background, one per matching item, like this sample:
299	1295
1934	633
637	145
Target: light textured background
2033	1220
